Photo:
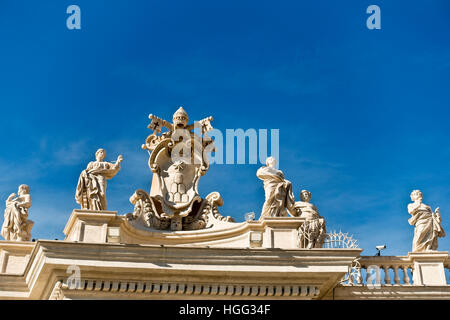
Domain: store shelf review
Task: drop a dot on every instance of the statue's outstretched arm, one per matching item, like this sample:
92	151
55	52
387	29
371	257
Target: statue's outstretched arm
118	162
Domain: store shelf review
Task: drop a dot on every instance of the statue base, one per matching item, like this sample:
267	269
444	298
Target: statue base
97	226
14	256
429	269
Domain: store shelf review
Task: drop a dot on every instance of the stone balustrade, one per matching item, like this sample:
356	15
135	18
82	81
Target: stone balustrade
399	270
447	269
385	270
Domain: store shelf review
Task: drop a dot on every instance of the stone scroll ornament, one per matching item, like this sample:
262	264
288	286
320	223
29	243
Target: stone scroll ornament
178	158
17	226
428	226
91	188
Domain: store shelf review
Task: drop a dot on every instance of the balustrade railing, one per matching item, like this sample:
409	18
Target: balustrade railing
380	271
447	270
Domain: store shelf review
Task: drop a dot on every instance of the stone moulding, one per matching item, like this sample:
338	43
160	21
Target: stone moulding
125	268
105	227
179	290
130	271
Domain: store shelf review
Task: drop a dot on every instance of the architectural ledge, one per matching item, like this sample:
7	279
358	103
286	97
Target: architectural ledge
108	227
400	292
14	256
261	272
104	289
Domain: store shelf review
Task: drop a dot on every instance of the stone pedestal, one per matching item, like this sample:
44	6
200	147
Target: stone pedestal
14	256
429	268
281	232
93	226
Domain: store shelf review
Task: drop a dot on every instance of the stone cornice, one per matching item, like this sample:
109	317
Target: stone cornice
50	259
181	290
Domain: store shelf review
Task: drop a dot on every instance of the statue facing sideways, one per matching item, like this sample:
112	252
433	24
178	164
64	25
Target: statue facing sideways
427	224
312	233
278	191
16	225
91	188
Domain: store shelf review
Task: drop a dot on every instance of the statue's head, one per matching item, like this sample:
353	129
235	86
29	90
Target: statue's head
271	162
180	118
416	195
100	154
24	189
305	196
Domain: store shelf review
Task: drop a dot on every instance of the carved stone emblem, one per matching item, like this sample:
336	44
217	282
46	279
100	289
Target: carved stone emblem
178	158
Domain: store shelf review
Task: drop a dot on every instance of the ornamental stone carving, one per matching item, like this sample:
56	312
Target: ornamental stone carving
178	158
313	232
91	188
16	225
279	198
428	227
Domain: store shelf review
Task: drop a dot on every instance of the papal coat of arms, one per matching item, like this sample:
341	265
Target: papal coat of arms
178	158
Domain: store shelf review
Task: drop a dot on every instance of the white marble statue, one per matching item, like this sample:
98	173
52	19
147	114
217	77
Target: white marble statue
427	224
91	188
312	233
16	225
278	191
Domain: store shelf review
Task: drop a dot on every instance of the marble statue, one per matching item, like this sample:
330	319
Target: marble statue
178	158
279	199
427	224
91	188
312	233
16	225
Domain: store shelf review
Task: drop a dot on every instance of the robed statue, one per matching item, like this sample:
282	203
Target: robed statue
427	224
279	199
16	225
91	188
313	231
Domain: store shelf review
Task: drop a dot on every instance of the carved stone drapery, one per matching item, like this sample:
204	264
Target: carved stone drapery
16	225
428	227
312	233
279	199
91	187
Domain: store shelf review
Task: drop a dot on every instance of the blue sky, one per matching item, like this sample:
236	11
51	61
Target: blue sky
363	114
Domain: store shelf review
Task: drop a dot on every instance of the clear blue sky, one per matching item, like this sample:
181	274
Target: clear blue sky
363	114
